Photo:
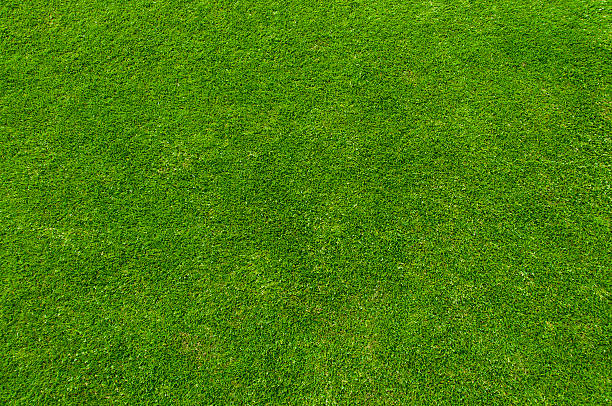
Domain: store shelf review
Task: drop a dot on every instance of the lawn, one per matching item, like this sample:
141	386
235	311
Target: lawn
306	202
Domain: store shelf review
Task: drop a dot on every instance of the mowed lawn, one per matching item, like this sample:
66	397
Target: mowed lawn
306	202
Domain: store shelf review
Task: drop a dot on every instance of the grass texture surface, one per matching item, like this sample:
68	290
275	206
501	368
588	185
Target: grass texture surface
305	202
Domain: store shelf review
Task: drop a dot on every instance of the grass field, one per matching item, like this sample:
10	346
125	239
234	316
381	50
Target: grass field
306	202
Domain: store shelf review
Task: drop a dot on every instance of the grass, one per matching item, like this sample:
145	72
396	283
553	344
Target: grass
339	202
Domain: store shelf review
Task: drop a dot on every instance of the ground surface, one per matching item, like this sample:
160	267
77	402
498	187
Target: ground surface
339	202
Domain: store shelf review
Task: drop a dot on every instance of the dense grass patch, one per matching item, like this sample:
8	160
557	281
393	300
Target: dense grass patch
339	202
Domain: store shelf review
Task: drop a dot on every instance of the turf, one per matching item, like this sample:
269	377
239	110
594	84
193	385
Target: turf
305	202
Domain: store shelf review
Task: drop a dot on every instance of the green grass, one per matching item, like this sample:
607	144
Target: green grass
302	202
